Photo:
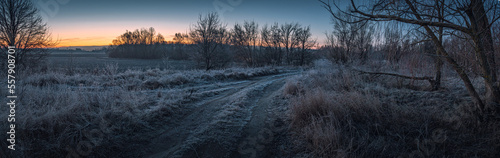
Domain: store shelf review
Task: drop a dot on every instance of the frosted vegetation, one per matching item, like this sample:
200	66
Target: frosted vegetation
62	108
339	111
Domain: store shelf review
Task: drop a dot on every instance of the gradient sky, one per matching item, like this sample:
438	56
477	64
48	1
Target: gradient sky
98	22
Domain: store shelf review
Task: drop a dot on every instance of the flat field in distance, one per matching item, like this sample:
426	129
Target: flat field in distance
91	60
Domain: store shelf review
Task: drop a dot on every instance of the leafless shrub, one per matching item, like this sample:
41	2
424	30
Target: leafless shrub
292	88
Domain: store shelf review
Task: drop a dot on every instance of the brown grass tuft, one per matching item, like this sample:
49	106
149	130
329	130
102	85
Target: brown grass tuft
292	88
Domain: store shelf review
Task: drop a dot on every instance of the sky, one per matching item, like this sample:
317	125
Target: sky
98	22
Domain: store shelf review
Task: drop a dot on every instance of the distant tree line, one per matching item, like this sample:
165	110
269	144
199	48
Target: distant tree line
212	45
142	44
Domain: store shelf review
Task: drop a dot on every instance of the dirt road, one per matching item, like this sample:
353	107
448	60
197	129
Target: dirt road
240	119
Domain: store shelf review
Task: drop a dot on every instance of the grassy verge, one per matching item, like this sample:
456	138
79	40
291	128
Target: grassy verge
335	112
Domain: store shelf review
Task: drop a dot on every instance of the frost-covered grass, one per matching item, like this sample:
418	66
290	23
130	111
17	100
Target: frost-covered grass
149	79
103	112
336	112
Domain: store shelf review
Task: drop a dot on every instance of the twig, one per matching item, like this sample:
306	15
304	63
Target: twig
431	80
396	75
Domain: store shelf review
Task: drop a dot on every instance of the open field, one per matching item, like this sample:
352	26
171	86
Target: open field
91	60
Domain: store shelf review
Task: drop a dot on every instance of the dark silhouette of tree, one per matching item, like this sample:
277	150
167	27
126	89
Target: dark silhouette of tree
210	36
353	40
22	27
180	47
287	32
244	39
288	43
332	49
393	42
142	44
272	42
344	35
181	38
305	43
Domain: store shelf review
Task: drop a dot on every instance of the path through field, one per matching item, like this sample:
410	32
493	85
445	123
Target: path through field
243	120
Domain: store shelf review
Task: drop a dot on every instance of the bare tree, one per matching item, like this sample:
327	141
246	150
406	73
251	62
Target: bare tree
209	36
344	36
363	40
393	44
287	32
143	44
333	49
305	43
272	41
439	12
351	40
22	27
181	38
244	39
473	18
287	43
179	47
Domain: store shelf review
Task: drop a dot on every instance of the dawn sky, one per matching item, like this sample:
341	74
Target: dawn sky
98	22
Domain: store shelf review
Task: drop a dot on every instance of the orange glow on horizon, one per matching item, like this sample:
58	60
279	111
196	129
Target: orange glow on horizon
97	41
102	33
92	41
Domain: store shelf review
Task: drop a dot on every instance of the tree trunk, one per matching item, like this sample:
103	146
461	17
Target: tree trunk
438	63
438	60
483	40
437	79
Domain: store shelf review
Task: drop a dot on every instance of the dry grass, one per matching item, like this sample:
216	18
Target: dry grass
104	112
292	88
343	114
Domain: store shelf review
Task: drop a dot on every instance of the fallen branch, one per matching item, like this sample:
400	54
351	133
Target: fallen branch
431	80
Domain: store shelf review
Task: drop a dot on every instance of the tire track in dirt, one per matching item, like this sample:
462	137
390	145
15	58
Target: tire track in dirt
265	125
216	126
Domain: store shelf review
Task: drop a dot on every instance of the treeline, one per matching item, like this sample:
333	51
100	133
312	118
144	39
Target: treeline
142	44
213	45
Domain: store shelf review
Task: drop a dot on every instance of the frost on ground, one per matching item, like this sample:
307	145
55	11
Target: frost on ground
106	112
263	112
338	112
222	122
